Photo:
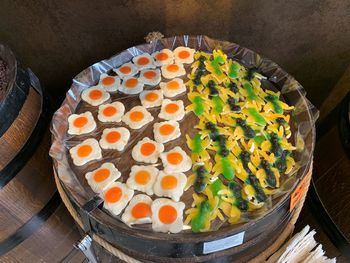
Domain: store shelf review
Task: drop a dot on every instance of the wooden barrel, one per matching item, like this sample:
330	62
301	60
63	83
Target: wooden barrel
104	252
34	226
241	243
126	247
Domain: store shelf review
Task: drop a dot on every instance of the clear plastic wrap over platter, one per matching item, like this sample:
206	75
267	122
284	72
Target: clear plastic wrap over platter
303	117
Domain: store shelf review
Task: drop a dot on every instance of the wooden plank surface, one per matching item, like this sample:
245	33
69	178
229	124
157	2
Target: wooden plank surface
33	186
12	141
51	243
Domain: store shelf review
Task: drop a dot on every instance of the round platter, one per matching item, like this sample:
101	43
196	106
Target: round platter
143	242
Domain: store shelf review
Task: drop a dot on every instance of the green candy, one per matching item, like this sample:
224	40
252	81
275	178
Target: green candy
197	143
198	222
216	67
227	169
249	88
233	70
216	186
218	105
220	59
198	105
274	100
259	119
215	63
259	139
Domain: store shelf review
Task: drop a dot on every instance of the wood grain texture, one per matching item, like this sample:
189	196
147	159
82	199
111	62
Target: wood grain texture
32	187
9	223
103	255
51	243
17	134
241	253
310	39
27	195
29	191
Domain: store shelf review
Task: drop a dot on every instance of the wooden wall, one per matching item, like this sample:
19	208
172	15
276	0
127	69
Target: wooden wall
57	39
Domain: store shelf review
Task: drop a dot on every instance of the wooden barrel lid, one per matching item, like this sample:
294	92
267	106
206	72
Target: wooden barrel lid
186	243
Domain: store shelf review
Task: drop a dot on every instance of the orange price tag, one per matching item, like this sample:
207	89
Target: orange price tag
298	193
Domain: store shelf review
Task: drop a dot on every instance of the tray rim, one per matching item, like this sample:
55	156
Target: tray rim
222	231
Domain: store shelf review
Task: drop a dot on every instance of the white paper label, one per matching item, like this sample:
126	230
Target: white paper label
225	243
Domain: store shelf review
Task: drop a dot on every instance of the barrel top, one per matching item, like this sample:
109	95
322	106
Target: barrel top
79	193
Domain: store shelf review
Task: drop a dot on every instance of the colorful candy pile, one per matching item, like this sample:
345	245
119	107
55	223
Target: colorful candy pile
241	149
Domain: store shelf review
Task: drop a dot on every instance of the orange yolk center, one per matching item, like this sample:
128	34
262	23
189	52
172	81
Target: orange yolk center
152	96
136	116
143	61
108	81
167	214
162	56
184	54
166	129
131	83
172	67
142	177
113	195
84	150
147	148
141	210
174	158
169	182
125	70
109	111
113	137
171	108
95	94
101	175
173	85
80	122
149	74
